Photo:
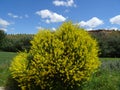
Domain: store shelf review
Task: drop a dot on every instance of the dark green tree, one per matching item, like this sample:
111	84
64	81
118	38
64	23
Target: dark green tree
2	36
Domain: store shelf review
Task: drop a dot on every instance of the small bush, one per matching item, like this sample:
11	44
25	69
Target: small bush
63	59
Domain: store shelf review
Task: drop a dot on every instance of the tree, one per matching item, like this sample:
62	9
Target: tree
2	36
109	42
16	42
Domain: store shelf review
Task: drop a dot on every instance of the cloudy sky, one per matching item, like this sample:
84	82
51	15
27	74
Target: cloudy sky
27	16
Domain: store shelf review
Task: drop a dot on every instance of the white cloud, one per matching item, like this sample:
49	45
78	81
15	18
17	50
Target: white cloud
54	29
92	23
12	15
82	23
50	16
4	23
3	29
115	20
16	16
39	28
42	28
67	3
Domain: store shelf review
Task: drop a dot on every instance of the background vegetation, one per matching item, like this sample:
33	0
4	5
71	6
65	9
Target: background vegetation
108	76
108	40
15	42
2	36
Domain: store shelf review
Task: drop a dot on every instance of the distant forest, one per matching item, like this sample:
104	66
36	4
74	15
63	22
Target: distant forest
108	42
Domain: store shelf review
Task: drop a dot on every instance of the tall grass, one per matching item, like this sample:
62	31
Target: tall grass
107	77
5	59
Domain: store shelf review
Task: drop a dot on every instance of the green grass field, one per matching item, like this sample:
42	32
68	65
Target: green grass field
107	77
5	59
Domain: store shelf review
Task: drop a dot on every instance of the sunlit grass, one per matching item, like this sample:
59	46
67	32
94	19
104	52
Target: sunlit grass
5	59
107	77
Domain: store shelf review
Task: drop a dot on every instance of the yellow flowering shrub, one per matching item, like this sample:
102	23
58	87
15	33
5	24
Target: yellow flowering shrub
63	59
19	68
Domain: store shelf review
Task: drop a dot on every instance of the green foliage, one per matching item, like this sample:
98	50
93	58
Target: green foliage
107	78
64	59
12	84
2	36
109	42
17	42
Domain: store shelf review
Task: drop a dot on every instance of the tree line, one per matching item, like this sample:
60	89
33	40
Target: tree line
15	42
108	42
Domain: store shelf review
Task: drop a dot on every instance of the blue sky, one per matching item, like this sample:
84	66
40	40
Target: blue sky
27	16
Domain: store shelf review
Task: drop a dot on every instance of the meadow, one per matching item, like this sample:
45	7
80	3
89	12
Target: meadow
106	78
5	59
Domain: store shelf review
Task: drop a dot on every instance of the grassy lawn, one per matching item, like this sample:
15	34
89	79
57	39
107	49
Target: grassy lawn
5	59
107	77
